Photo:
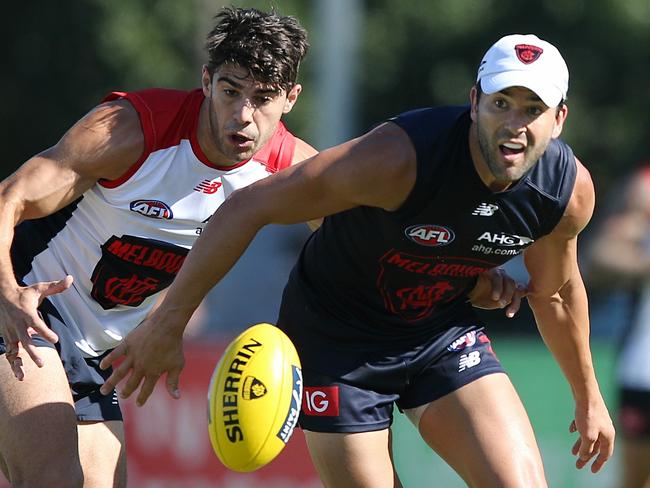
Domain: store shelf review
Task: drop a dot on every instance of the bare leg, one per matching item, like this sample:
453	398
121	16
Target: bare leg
39	428
103	454
353	460
38	425
483	432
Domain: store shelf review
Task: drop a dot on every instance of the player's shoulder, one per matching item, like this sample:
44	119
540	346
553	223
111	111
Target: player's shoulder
581	204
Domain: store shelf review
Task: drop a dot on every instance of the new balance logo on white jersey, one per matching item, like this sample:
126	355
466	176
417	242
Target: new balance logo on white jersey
469	360
485	210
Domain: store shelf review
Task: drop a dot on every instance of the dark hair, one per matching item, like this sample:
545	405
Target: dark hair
268	45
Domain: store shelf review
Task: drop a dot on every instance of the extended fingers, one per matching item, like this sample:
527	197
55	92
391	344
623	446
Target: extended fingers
38	326
114	379
606	450
132	383
113	356
147	388
48	288
515	304
15	361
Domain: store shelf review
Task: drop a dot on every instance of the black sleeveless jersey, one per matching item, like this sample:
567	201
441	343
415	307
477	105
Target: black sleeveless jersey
402	275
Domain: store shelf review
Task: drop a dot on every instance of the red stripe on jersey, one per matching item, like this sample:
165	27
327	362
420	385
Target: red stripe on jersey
166	116
277	154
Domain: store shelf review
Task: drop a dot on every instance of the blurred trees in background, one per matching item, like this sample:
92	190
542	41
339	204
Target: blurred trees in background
62	57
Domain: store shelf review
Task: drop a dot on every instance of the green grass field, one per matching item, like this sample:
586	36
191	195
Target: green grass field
548	401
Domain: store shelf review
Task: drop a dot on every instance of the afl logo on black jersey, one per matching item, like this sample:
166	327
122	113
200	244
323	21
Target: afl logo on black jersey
430	235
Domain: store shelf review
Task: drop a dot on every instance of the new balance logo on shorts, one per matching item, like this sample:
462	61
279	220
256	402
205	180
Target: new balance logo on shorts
470	360
321	401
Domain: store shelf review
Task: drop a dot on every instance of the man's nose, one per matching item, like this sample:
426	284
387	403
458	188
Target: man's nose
244	112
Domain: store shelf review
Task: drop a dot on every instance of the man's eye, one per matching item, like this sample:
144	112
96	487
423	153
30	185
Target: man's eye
229	92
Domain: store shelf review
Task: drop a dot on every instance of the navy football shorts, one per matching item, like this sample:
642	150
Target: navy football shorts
84	374
351	387
634	413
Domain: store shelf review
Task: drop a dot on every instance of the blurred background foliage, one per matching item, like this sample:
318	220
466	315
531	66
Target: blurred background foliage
62	57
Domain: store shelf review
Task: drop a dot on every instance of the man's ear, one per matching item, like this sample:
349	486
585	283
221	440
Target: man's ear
206	81
473	100
292	98
560	117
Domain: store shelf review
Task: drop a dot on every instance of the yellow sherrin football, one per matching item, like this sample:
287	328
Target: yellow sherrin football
254	398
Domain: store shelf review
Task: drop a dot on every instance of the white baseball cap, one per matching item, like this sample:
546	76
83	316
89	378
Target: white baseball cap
528	61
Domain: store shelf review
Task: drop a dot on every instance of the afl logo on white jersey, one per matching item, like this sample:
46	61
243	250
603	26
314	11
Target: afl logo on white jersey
154	209
430	235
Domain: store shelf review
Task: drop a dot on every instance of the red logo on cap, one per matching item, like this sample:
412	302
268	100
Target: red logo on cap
528	54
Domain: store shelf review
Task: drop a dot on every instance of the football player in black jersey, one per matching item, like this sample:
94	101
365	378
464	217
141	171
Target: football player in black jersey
414	211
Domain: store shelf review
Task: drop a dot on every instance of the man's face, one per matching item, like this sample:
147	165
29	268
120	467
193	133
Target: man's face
514	128
242	113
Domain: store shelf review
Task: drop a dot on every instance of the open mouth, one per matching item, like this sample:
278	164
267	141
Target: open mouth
511	149
240	140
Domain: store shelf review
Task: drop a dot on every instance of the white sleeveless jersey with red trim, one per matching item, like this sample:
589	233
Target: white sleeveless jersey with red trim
124	240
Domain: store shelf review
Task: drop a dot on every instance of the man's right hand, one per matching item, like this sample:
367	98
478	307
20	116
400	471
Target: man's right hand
148	352
20	320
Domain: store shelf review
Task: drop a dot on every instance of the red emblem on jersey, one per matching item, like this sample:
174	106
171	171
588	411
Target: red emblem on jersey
527	53
321	401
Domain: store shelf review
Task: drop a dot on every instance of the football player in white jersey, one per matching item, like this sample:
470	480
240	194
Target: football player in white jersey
122	192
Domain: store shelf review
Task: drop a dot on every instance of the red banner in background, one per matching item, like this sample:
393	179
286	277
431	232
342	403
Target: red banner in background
168	444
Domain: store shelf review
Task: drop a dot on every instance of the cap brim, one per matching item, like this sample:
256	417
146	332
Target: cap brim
549	94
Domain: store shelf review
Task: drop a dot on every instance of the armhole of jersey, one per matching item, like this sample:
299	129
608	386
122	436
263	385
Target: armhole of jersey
148	129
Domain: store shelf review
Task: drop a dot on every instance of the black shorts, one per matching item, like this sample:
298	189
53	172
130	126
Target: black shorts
634	413
350	387
84	374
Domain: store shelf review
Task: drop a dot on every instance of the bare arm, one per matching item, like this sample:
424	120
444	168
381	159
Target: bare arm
103	144
305	151
557	296
377	169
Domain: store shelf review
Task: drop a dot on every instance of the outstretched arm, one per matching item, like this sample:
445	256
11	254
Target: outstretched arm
558	300
103	144
377	169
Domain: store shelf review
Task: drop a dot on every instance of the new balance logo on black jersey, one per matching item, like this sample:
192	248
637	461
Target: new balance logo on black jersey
485	210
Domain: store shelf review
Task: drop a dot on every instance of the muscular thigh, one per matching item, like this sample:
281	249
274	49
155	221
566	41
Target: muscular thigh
103	453
37	408
483	432
347	460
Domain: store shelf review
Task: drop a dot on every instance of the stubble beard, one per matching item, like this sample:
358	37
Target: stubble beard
504	175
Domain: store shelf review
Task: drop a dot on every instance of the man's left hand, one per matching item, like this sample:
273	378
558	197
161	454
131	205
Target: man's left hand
496	289
596	436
